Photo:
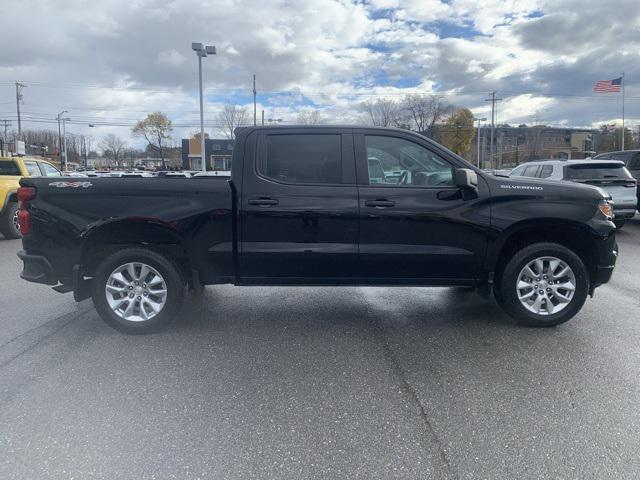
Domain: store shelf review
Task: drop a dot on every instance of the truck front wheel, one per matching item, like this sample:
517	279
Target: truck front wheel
543	285
137	290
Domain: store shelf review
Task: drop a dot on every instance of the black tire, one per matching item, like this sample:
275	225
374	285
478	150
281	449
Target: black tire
8	228
506	294
620	223
175	287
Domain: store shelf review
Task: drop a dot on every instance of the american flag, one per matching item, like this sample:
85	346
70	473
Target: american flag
607	86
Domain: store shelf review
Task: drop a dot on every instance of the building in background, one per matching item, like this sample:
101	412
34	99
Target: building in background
515	145
217	152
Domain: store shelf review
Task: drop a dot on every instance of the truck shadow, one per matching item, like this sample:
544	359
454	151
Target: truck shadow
218	308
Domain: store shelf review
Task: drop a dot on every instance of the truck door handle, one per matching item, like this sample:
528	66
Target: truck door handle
380	203
263	202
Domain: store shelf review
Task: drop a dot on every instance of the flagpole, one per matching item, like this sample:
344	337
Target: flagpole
622	135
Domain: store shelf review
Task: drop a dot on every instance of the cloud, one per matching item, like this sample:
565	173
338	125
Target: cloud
116	59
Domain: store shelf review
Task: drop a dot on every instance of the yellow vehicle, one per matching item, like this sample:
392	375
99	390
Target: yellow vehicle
12	169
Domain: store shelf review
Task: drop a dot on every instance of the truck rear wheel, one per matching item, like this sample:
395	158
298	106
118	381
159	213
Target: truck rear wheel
137	290
9	226
543	285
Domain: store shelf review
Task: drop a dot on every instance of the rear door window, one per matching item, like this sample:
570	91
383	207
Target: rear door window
303	158
32	168
9	168
601	171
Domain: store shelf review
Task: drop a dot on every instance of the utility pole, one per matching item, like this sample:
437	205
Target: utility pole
84	144
59	117
623	84
478	131
19	87
263	118
493	101
255	117
64	136
6	124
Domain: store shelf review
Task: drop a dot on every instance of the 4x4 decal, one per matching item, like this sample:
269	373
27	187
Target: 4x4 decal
71	184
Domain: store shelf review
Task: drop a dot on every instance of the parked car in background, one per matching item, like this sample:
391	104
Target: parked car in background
12	169
136	174
631	159
610	175
376	171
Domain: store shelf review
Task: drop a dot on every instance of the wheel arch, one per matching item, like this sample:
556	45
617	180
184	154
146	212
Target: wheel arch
10	197
574	235
107	238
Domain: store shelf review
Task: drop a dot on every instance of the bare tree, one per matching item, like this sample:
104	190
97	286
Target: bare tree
156	129
425	111
383	112
231	117
114	147
311	117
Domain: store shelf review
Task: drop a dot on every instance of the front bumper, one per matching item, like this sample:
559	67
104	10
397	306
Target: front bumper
606	262
36	269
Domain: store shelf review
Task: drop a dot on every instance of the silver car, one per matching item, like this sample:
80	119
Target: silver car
610	175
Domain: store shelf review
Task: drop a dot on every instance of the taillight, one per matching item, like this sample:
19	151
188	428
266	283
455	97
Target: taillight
25	194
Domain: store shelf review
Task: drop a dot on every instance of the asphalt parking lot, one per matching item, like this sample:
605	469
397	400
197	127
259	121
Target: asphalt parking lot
295	383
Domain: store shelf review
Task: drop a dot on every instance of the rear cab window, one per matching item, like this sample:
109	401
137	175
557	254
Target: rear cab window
600	171
304	159
32	168
50	170
10	168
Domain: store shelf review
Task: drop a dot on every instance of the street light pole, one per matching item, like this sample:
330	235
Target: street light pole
202	51
64	139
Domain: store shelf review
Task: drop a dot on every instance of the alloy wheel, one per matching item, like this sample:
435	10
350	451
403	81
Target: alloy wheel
136	292
546	285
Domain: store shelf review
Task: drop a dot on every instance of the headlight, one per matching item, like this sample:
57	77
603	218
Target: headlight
606	208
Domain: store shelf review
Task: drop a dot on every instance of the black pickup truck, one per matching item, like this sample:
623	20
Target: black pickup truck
319	206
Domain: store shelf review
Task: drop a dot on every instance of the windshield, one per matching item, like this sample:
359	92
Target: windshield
9	167
603	171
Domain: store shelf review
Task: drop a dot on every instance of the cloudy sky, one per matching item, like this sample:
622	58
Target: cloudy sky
110	62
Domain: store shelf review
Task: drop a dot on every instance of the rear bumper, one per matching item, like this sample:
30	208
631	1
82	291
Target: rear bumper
626	211
36	269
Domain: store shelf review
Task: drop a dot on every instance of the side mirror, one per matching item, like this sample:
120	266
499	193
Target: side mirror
466	178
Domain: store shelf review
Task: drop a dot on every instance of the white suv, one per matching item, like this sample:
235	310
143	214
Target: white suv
610	175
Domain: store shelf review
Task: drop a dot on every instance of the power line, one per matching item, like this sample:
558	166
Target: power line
300	92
